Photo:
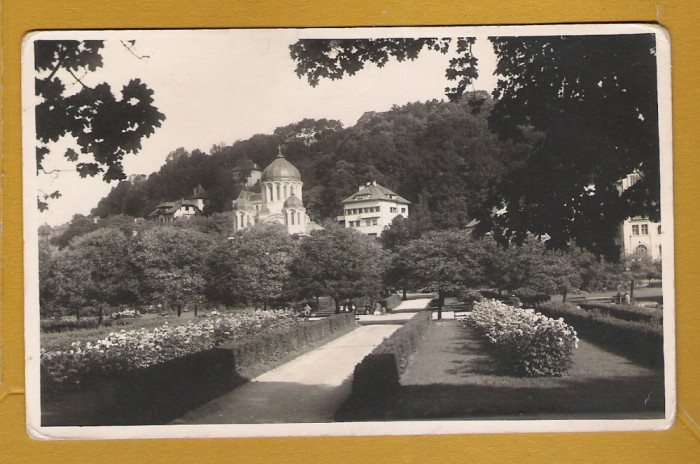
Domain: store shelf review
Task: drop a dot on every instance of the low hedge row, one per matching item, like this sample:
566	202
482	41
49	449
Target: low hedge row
162	392
377	375
270	346
626	312
641	341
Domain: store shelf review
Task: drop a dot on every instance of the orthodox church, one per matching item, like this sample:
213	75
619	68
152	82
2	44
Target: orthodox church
273	196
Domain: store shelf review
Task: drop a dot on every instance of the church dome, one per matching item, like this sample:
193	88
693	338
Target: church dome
280	169
293	202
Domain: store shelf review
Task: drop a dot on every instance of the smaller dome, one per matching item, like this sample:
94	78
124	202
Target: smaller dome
293	202
281	169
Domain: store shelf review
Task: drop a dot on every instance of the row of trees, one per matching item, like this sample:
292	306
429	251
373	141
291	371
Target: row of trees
177	266
261	266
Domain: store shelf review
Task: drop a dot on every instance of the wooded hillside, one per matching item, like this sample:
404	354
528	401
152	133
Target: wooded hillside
440	156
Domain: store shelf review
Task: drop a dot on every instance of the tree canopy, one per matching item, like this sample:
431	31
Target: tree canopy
588	104
103	126
338	262
253	266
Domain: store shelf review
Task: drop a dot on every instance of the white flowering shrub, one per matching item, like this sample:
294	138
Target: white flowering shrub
127	350
537	345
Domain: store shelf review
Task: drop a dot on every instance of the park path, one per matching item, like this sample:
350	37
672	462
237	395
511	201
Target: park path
307	389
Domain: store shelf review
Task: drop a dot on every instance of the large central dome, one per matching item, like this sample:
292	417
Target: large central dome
280	169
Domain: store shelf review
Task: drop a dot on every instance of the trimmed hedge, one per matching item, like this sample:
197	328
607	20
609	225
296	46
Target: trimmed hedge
639	341
160	393
377	375
270	346
626	312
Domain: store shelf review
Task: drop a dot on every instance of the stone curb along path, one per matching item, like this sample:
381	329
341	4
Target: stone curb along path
309	388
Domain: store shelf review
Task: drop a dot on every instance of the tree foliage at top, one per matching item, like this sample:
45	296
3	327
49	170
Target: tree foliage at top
590	99
103	126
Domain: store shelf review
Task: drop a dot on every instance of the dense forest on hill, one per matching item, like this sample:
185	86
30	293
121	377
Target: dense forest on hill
439	155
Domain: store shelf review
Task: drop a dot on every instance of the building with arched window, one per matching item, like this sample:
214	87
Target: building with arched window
638	235
273	196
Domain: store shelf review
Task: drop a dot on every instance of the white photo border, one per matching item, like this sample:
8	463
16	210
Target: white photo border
31	274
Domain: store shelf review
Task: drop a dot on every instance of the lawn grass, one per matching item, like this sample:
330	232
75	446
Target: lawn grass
456	374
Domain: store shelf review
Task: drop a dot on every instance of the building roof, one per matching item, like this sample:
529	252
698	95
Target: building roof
169	207
200	193
246	165
374	191
280	169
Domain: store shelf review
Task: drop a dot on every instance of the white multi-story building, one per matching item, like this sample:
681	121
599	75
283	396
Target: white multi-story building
372	208
639	235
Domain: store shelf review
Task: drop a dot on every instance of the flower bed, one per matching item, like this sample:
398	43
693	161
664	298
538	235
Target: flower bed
127	350
536	346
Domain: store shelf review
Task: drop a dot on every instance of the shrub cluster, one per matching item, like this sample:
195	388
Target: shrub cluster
377	375
124	351
625	312
536	345
641	341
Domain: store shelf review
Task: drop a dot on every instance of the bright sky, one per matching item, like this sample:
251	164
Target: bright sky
221	86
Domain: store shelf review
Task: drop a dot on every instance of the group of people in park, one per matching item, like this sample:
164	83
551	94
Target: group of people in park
622	298
377	309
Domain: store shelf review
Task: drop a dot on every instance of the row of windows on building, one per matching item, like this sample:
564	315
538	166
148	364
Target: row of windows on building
644	229
372	209
367	222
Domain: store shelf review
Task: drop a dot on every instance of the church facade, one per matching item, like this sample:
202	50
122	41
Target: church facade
272	196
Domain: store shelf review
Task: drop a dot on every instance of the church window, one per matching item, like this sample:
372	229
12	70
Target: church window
292	217
635	230
298	218
278	191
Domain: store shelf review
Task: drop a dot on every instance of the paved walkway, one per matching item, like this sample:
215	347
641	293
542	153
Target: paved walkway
309	388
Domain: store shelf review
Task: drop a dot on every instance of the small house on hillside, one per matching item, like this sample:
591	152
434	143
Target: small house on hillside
169	211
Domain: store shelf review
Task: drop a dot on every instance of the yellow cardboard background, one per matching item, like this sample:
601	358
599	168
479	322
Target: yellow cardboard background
680	444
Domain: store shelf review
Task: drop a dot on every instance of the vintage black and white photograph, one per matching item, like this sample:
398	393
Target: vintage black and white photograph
356	231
